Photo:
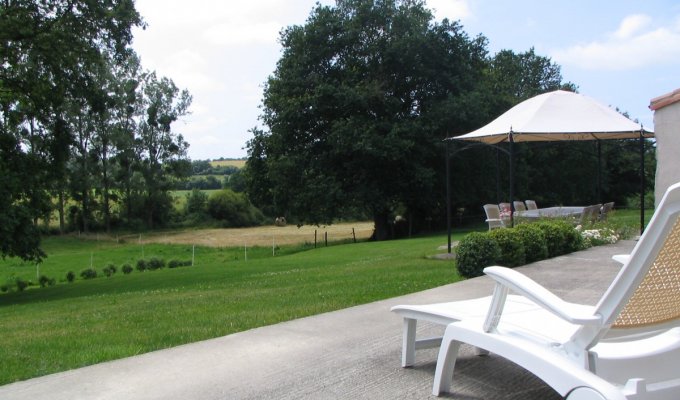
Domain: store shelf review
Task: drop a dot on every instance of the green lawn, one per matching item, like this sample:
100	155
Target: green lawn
67	326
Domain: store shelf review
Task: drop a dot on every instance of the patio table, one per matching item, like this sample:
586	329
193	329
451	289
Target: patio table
551	212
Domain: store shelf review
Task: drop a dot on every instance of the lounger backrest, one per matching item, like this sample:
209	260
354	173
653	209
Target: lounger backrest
645	295
657	298
519	205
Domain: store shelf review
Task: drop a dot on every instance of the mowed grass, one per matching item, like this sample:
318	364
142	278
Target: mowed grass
67	326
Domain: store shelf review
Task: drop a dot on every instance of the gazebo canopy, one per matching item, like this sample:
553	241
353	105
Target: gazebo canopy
554	116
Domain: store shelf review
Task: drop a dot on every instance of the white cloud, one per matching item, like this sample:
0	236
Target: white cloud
228	34
631	25
451	9
630	47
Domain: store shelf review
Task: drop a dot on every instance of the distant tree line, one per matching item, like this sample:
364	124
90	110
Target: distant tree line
84	130
362	97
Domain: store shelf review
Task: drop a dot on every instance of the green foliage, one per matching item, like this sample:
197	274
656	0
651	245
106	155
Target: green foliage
475	252
110	270
233	209
155	263
511	245
178	263
141	265
197	202
127	269
70	276
22	284
88	273
356	110
561	237
535	244
45	281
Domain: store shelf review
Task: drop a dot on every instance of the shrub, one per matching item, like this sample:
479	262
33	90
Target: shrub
475	252
70	276
4	288
45	281
155	263
109	270
22	284
177	263
535	245
127	268
88	273
141	265
196	202
561	237
233	209
511	245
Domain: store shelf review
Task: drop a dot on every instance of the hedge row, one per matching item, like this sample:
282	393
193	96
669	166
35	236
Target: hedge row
517	246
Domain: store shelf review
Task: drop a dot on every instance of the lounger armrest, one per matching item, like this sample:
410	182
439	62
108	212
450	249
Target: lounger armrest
528	288
621	258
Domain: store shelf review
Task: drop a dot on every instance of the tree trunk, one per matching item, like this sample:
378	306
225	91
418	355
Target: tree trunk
382	226
61	212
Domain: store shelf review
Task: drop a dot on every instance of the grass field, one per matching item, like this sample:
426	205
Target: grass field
71	325
233	163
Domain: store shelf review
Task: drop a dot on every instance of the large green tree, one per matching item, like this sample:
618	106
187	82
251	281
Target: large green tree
47	52
357	108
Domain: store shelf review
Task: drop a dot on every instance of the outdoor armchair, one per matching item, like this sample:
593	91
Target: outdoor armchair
493	216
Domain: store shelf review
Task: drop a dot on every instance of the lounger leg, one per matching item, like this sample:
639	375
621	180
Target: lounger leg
448	352
408	351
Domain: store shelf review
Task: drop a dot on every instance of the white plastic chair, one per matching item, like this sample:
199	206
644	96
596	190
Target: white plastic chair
531	205
493	216
625	347
519	205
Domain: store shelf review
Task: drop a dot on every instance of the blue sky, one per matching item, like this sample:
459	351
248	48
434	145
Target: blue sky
622	53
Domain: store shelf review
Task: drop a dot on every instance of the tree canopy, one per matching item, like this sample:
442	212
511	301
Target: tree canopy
356	110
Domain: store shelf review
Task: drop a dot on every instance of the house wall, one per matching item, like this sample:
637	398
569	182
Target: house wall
667	132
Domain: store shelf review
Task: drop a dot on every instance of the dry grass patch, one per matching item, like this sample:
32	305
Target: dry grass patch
264	235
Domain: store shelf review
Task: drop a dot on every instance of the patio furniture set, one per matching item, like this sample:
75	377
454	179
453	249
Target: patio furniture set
498	215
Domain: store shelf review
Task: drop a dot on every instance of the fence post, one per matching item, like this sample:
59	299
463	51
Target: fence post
315	238
325	238
354	236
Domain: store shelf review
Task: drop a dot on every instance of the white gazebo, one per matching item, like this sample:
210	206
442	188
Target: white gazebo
557	116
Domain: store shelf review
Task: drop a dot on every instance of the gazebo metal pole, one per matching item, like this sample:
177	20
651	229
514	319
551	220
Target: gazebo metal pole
599	171
511	142
448	196
642	182
498	175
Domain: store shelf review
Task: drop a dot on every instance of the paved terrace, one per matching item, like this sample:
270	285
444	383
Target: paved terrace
348	354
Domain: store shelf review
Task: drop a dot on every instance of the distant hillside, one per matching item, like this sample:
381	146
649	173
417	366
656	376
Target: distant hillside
238	163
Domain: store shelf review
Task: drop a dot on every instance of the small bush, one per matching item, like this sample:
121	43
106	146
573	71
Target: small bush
178	263
70	276
141	265
127	268
561	237
512	247
4	288
110	270
45	281
535	245
88	273
475	252
155	263
22	284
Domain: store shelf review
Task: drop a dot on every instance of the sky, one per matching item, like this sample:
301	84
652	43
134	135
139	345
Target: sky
622	53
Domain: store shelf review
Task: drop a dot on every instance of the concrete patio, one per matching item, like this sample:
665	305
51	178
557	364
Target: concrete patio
348	354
